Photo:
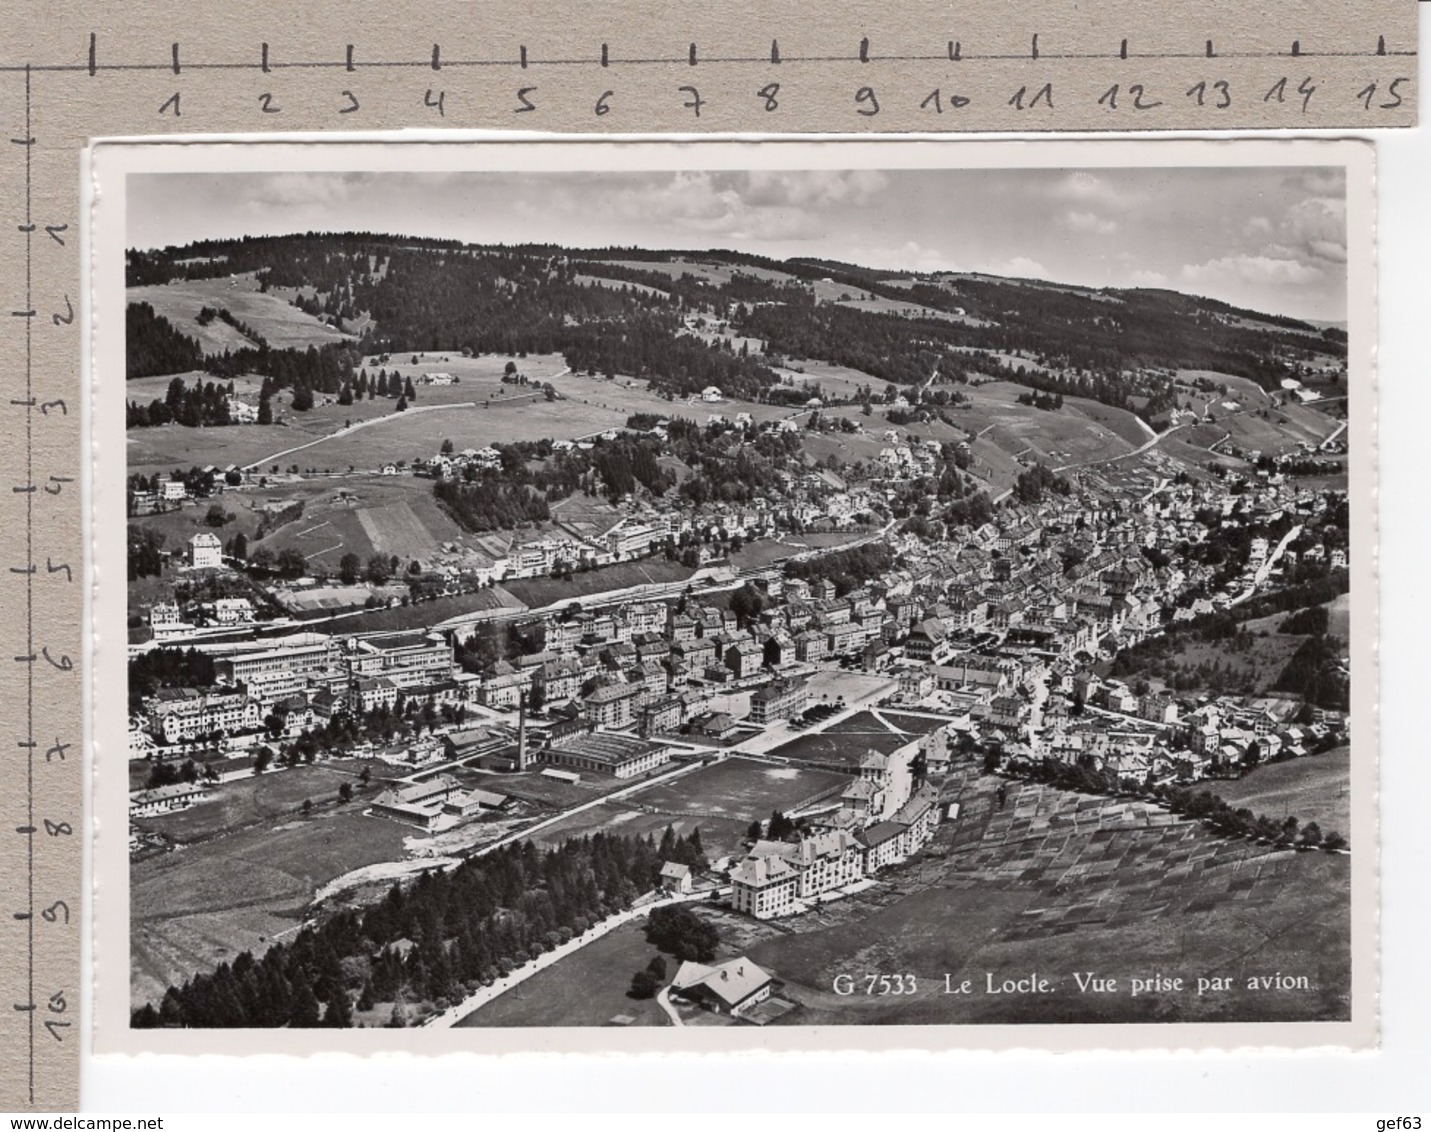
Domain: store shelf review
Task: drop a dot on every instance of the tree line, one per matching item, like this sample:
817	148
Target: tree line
434	941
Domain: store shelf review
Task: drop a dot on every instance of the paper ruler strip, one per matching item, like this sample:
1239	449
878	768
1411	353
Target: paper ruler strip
165	67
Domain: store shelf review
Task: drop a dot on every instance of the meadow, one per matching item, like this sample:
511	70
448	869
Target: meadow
1062	884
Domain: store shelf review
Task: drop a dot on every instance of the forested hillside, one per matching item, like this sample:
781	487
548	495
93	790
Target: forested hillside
608	315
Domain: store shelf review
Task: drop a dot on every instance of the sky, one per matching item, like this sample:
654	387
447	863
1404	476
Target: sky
1269	238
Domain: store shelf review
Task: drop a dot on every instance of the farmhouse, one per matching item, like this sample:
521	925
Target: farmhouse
676	877
729	988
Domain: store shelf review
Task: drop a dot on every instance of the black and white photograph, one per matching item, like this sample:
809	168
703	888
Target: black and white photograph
738	589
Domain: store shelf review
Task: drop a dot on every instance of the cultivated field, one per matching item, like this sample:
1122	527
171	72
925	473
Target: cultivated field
1313	788
1060	884
587	988
280	323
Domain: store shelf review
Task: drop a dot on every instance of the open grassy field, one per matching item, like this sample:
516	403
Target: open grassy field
742	789
1082	431
846	742
587	988
1060	884
280	323
265	797
720	836
537	592
1282	430
1313	788
197	907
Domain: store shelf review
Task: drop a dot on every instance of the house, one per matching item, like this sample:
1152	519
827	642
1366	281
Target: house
711	393
676	877
206	552
780	699
730	988
613	705
173	491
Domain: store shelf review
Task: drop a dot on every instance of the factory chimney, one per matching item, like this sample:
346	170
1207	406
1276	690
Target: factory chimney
522	733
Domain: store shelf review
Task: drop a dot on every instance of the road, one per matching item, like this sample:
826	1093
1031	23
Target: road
451	1016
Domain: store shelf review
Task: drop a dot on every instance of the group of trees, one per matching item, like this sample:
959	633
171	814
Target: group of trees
678	931
1315	672
167	668
152	346
1036	482
848	569
435	940
202	405
491	503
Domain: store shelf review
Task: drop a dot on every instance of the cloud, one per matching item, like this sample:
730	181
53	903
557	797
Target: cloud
764	188
1090	222
294	190
1255	269
1021	267
1086	189
1141	278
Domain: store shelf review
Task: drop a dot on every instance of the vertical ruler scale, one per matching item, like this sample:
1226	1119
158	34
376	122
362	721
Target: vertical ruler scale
69	74
43	560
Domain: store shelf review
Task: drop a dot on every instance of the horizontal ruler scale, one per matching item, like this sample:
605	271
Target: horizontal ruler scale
73	73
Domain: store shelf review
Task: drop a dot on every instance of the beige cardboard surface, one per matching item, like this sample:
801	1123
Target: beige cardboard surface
68	75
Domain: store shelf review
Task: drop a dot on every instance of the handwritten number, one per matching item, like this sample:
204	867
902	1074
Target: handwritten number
1135	90
265	103
64	664
1224	94
58	1005
58	828
696	101
936	100
65	566
55	1026
527	105
55	911
768	92
46	406
867	95
353	103
58	749
603	108
1368	92
1278	90
1044	94
439	103
171	103
66	318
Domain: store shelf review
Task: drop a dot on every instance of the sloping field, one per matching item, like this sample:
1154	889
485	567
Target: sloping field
1313	788
280	323
394	529
1064	884
1081	431
193	909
